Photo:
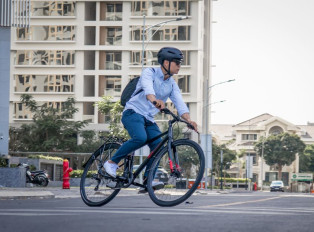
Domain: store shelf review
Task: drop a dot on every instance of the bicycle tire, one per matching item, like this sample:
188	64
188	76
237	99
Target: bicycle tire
94	190
178	189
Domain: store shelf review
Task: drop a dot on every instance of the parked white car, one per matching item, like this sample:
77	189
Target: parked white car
276	185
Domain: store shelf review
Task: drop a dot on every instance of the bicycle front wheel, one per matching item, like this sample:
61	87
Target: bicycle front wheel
179	186
94	187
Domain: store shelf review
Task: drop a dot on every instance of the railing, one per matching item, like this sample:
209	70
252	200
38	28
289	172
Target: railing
112	92
15	13
113	16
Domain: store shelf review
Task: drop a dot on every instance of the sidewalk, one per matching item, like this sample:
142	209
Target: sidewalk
73	192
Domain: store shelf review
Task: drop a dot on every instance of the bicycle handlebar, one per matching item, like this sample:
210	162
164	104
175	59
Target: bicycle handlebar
176	117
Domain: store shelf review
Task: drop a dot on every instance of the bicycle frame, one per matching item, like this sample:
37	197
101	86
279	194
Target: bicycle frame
168	138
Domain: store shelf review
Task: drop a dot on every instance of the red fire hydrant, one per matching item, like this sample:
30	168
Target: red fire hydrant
255	186
66	175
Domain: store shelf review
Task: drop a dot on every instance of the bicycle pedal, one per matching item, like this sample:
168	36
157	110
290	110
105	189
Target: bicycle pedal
121	178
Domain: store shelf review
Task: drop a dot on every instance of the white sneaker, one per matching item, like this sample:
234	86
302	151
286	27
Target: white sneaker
111	184
111	169
156	186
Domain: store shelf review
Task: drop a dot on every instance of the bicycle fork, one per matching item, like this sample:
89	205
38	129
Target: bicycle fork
173	155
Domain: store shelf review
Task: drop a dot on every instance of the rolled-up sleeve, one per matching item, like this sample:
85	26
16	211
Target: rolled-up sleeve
177	99
147	82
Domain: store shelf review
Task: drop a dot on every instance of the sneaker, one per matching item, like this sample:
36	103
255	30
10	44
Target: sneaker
111	169
156	186
111	184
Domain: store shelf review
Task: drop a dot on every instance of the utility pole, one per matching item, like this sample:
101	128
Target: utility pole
221	160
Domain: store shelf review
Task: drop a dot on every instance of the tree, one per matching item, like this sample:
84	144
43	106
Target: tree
90	141
228	157
307	159
50	130
114	110
280	149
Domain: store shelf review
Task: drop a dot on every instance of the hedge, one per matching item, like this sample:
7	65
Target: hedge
45	157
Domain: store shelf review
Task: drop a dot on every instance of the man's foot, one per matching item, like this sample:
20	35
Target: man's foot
156	186
111	168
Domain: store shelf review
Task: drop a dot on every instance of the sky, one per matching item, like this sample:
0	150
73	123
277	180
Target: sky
268	47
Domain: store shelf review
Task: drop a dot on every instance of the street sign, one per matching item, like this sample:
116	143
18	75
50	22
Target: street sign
143	151
302	177
249	166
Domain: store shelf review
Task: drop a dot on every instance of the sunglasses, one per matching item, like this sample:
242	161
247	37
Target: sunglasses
178	62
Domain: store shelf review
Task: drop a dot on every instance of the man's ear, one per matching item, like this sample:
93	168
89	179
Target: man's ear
166	63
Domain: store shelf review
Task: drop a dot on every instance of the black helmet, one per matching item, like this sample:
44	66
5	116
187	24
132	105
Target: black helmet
169	53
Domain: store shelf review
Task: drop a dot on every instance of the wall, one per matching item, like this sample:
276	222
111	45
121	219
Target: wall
13	177
4	88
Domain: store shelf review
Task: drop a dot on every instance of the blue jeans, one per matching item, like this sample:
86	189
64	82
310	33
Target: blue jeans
140	130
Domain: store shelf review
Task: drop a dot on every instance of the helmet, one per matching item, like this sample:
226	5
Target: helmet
169	53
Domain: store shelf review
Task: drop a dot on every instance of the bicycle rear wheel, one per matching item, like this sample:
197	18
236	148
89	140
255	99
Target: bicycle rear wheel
93	186
181	185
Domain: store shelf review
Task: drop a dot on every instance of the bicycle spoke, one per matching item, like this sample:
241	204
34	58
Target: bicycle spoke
96	190
181	184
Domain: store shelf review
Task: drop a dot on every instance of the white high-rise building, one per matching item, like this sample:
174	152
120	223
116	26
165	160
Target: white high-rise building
87	49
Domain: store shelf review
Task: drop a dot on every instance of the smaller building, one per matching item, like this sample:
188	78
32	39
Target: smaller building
242	137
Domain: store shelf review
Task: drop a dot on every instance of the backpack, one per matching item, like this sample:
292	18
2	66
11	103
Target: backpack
129	90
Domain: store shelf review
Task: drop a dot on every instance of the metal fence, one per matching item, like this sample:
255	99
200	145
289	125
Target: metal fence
15	13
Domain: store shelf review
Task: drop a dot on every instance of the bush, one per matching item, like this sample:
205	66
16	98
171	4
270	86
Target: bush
3	162
45	157
233	180
79	173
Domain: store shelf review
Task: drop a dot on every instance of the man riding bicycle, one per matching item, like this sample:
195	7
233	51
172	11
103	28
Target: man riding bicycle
138	116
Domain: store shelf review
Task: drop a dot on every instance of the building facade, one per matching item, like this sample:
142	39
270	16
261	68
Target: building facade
241	138
87	49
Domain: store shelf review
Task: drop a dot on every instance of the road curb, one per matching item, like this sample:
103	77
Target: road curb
22	195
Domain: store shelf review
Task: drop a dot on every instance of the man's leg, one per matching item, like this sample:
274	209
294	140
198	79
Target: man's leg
135	125
152	131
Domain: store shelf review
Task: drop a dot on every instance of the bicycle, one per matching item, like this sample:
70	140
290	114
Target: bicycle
182	158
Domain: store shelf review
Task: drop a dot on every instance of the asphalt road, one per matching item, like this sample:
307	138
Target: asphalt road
253	211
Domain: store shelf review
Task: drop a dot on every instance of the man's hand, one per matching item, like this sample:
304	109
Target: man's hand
194	125
187	118
159	104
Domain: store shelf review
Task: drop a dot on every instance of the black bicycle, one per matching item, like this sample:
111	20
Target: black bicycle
182	160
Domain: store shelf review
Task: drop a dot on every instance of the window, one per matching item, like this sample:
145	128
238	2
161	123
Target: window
110	11
249	136
183	82
52	8
150	58
110	36
276	130
45	57
161	8
110	60
46	33
139	8
254	157
88	111
44	83
58	83
166	33
21	112
110	86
